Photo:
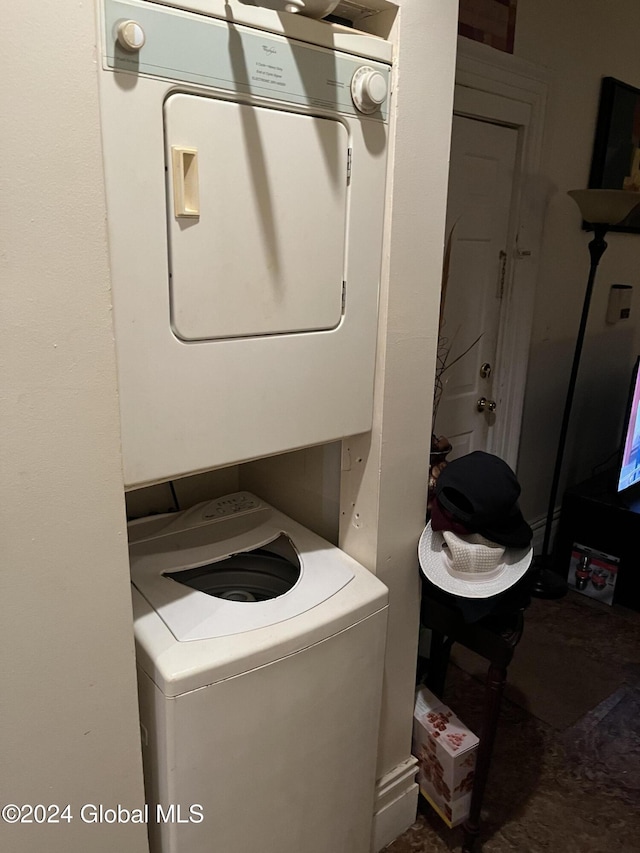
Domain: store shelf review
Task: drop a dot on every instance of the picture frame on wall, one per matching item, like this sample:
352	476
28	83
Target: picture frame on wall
615	164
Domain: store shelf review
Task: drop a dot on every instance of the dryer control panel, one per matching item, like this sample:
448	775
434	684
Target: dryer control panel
144	39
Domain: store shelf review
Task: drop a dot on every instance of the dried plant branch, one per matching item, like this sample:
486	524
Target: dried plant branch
462	354
446	261
444	344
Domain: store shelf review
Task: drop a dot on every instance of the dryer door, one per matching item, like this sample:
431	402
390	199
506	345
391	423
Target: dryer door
257	202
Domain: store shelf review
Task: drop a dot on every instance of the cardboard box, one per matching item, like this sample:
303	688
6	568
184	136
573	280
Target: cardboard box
446	751
593	573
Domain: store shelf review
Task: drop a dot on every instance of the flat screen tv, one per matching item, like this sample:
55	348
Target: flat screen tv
629	471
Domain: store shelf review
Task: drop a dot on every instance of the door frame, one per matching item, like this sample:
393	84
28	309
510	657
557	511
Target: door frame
503	89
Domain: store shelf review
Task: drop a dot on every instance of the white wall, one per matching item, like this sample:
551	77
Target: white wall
186	492
579	41
384	481
67	704
304	484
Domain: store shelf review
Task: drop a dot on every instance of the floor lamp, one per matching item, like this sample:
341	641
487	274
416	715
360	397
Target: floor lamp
600	209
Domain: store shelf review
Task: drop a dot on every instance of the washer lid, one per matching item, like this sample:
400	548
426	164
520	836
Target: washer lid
177	546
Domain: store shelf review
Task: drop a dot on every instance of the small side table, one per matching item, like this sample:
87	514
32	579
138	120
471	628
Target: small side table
493	638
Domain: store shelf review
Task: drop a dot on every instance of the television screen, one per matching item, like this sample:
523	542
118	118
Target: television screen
630	459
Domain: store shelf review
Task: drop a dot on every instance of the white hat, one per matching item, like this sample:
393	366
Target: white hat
470	566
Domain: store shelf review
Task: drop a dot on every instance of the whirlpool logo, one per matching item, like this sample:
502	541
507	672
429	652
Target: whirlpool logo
269	50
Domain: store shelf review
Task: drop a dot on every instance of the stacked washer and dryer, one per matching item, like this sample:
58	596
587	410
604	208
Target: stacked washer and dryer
245	161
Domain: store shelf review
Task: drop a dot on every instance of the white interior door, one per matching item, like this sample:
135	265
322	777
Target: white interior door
483	162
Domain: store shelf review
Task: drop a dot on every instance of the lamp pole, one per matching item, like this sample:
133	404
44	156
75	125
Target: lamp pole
597	248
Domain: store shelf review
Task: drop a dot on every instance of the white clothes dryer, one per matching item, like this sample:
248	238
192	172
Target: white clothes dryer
245	156
260	653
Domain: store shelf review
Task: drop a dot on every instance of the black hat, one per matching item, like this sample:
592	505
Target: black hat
482	492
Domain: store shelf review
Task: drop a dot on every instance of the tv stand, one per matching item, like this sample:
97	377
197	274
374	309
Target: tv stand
595	515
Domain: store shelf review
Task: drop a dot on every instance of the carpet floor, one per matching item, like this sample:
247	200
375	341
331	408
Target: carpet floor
565	774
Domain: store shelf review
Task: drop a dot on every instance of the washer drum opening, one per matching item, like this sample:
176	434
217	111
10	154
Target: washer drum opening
249	576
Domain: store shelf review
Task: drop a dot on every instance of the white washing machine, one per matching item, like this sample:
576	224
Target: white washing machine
260	653
245	157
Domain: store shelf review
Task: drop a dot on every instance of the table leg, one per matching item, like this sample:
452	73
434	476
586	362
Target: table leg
496	678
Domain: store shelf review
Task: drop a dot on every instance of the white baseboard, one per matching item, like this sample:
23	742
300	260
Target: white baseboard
396	804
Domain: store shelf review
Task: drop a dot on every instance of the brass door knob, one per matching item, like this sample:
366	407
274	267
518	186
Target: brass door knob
485	405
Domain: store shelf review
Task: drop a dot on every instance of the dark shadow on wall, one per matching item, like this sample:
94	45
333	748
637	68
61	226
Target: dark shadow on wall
597	414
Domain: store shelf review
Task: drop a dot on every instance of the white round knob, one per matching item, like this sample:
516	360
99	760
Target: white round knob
130	35
368	89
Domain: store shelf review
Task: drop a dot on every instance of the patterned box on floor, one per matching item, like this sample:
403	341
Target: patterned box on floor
446	752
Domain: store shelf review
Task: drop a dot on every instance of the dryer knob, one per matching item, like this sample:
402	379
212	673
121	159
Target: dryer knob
130	35
368	89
